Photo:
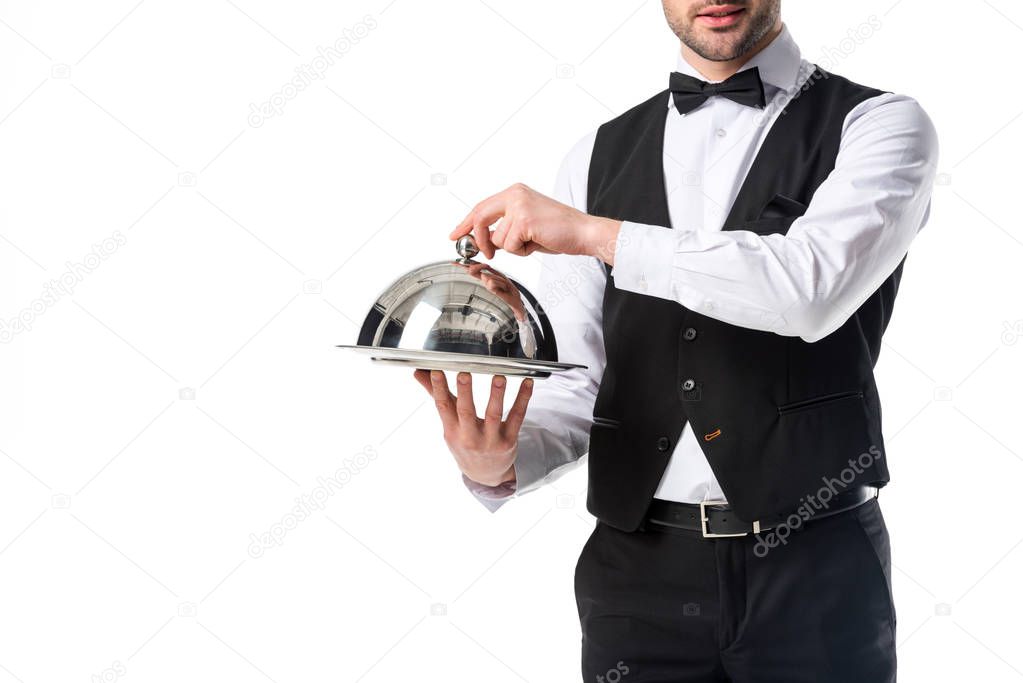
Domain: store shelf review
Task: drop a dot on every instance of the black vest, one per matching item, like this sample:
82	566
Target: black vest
777	417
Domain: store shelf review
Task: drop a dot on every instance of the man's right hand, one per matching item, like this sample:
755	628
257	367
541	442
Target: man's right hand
483	448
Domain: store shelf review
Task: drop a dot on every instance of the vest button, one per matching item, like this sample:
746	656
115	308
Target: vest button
663	444
688	385
689	334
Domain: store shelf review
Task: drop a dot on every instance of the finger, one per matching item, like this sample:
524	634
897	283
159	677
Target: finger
503	235
484	241
423	377
444	401
494	274
473	270
490	210
514	241
465	407
518	410
495	284
495	408
500	230
509	236
463	228
490	213
481	213
492	285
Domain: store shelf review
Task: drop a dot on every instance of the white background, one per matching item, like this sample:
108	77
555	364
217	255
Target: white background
127	504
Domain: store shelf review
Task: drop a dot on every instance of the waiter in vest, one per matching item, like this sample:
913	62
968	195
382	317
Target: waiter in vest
725	258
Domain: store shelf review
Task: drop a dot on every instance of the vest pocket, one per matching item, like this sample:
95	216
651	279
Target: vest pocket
606	422
776	225
817	401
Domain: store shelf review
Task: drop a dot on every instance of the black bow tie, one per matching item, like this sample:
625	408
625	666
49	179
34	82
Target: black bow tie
744	87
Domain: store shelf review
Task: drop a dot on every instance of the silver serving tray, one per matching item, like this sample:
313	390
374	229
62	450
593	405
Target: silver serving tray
461	362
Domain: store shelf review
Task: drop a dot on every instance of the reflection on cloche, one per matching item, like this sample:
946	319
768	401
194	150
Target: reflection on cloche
461	315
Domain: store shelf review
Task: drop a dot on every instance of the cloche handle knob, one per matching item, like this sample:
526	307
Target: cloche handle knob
466	248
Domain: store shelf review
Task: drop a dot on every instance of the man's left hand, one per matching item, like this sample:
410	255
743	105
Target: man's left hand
528	221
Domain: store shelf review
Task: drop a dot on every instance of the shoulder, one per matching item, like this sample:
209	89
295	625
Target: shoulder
895	117
892	107
869	99
873	114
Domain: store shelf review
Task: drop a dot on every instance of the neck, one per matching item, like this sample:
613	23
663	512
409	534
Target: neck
719	71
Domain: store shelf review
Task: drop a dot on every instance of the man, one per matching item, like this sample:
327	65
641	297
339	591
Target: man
728	254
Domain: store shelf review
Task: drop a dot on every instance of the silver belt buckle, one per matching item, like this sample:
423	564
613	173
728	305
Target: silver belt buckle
704	519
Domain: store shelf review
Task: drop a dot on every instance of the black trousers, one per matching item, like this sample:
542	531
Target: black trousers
660	606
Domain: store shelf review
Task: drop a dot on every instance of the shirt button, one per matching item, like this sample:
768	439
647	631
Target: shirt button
721	132
663	444
689	334
688	385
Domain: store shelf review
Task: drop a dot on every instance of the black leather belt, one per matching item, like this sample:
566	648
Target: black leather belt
715	519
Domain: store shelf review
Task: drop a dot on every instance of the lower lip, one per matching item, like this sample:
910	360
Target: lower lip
717	22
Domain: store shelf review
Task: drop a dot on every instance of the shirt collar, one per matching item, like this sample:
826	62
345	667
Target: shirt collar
779	63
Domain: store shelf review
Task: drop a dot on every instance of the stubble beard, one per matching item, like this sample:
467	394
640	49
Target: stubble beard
759	25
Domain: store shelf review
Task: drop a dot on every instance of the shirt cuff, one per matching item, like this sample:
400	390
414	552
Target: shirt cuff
644	259
491	497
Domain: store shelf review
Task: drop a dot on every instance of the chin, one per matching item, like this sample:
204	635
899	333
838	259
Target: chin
720	48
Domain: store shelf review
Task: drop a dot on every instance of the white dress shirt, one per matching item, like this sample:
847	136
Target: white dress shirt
805	283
